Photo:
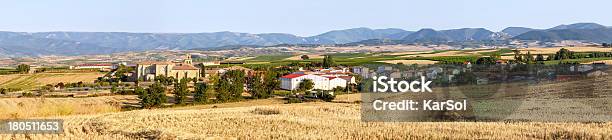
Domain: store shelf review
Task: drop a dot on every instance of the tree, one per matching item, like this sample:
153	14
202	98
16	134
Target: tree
563	54
180	91
517	55
540	57
164	80
328	61
213	79
146	100
60	85
230	86
550	57
257	87
271	82
528	58
486	61
306	85
305	57
201	95
202	70
23	68
157	92
113	89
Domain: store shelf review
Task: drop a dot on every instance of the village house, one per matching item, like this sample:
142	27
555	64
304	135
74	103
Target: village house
148	71
323	79
211	63
362	71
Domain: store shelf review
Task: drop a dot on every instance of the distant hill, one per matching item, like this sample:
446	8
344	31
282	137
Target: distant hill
464	34
594	35
579	31
354	35
80	43
515	31
579	26
16	44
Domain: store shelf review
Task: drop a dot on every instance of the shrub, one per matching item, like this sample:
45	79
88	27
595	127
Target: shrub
28	94
294	100
325	96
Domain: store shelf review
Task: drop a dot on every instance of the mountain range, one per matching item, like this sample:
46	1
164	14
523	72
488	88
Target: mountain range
80	43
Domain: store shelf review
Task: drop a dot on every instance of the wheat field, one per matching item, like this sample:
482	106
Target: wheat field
300	121
16	108
340	119
31	81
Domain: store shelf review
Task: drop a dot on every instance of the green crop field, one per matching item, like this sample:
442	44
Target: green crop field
582	60
270	58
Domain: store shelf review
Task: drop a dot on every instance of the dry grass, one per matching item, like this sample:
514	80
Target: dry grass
48	107
341	119
30	81
410	62
303	121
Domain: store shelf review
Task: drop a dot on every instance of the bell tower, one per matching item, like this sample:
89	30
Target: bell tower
187	59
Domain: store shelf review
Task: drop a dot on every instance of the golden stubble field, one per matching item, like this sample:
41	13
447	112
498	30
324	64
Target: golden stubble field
271	119
300	121
12	108
30	81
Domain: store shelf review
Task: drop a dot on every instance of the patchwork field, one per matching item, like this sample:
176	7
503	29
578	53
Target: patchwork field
31	81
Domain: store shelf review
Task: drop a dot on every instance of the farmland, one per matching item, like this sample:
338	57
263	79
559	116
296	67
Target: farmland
426	56
272	118
303	121
339	119
11	108
32	81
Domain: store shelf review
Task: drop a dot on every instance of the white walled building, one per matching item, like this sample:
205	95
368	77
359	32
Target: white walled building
323	82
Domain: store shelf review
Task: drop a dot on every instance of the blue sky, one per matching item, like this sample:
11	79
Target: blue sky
300	17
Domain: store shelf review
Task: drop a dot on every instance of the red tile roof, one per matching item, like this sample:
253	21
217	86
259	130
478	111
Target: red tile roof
184	67
331	78
291	76
347	78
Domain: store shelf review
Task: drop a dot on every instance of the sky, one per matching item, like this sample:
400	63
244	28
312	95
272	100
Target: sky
299	17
